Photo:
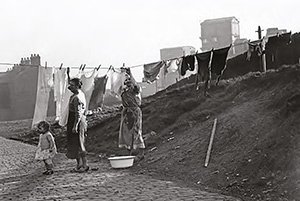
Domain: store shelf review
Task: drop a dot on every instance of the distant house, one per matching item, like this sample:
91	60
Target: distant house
171	77
221	32
274	31
175	52
18	88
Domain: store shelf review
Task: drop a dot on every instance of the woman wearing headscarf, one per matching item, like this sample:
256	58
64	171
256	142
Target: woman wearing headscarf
77	126
130	134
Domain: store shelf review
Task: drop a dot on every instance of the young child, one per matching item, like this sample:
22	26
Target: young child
46	149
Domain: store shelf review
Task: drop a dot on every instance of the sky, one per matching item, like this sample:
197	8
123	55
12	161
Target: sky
114	32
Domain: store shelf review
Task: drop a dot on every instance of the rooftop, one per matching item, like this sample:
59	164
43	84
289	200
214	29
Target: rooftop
219	20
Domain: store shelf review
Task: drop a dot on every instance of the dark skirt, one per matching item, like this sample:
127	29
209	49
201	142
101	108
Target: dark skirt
75	141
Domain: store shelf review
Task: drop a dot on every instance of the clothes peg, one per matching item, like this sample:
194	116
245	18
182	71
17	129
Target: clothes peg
110	68
83	67
98	67
60	66
80	67
46	64
68	74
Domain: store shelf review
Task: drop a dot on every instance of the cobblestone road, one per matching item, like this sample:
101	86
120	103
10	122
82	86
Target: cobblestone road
21	179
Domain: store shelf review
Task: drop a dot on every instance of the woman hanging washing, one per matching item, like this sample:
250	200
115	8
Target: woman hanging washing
130	134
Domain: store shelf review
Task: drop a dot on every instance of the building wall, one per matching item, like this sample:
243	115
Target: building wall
18	91
5	97
239	46
175	52
274	31
218	33
23	91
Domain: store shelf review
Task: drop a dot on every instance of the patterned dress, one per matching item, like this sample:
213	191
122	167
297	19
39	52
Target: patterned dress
130	134
75	141
46	148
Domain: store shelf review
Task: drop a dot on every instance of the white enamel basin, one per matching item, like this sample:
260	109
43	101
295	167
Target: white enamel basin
121	161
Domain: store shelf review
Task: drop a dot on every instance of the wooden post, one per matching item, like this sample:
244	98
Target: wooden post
263	61
259	30
210	142
263	56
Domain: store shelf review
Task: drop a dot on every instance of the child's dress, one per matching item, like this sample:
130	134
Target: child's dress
44	150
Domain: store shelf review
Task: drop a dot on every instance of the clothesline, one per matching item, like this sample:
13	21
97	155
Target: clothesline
9	64
73	67
135	66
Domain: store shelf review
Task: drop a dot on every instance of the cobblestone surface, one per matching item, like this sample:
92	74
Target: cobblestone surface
21	179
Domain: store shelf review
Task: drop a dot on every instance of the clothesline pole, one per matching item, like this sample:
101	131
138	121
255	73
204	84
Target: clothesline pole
263	55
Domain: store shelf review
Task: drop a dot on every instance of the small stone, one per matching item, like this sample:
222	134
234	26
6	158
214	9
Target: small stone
267	191
153	148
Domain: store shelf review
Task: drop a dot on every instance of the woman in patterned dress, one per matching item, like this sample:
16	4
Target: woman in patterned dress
77	126
130	134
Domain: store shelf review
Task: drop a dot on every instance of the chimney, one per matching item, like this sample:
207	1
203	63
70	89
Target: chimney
35	60
26	61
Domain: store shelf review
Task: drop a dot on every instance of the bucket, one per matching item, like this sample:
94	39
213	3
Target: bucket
121	161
